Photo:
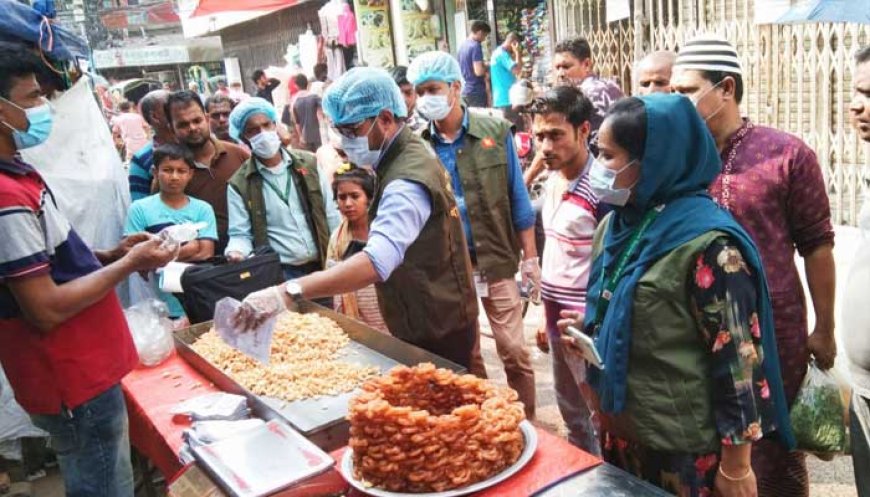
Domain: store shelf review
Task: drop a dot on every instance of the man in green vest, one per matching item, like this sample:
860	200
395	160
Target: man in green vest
479	155
415	254
277	198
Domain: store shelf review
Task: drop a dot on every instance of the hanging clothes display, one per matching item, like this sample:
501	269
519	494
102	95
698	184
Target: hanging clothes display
329	28
529	18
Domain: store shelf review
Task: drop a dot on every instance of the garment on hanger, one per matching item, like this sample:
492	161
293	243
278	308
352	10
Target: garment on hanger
329	15
347	27
335	62
308	51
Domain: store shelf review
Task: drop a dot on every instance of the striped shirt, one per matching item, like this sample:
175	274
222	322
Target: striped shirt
569	217
83	356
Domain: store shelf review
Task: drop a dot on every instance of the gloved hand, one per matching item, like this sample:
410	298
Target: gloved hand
530	270
258	307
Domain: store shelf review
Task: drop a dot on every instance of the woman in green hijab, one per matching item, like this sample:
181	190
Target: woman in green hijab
678	309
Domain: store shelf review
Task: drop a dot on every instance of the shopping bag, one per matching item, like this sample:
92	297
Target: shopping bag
817	414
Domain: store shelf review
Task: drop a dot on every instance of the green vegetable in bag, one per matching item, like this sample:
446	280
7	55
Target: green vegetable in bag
817	414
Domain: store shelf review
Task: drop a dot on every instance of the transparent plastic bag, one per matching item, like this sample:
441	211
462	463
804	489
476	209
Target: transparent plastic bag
152	331
817	414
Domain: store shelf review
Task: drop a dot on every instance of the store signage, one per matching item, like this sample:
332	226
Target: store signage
143	56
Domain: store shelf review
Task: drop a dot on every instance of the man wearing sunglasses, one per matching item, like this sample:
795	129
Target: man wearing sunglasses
416	254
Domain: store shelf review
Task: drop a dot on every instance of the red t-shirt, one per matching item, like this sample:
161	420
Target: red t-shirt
82	357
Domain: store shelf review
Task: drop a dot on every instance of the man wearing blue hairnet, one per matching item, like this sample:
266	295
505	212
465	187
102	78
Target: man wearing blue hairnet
277	198
478	153
415	254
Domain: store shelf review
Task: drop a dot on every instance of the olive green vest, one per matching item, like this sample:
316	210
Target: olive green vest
248	182
431	294
482	165
668	403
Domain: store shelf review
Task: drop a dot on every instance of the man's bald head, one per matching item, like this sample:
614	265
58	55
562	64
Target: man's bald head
654	72
151	108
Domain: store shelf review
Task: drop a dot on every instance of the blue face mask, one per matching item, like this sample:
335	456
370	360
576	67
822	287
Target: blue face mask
40	121
357	149
602	179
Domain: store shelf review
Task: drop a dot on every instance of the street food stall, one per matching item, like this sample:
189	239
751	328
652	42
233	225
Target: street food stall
342	427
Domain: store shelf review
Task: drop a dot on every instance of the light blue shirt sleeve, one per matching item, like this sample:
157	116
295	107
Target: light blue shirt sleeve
333	217
135	221
239	230
206	215
402	213
521	206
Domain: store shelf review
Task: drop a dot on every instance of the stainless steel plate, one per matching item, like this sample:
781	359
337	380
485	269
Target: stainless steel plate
529	435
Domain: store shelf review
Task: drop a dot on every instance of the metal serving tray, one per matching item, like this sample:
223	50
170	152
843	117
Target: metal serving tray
321	420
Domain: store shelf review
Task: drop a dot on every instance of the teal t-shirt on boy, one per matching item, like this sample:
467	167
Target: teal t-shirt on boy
150	214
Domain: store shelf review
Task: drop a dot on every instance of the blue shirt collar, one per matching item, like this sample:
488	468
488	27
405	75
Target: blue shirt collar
434	131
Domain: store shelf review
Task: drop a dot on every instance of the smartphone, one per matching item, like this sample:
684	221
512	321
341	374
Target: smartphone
587	346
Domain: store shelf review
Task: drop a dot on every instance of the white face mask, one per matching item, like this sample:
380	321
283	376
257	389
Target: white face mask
696	100
602	179
434	107
265	144
357	149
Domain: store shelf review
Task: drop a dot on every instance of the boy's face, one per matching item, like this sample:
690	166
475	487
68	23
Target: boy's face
173	175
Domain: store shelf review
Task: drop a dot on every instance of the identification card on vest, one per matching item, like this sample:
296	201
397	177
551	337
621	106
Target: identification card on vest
480	285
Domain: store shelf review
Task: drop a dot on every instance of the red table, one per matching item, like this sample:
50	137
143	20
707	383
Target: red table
152	392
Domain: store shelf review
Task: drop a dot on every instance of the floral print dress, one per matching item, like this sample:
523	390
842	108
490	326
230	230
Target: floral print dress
723	299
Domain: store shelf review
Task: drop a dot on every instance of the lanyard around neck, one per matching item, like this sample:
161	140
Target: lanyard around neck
610	282
285	196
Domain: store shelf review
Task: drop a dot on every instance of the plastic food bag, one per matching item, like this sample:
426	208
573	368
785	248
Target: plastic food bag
152	331
256	343
216	406
817	414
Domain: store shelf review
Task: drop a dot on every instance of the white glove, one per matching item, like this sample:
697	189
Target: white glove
258	307
530	270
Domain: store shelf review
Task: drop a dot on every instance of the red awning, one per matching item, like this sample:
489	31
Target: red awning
208	7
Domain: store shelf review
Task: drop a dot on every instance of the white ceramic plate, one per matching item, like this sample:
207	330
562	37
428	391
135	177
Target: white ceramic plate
531	439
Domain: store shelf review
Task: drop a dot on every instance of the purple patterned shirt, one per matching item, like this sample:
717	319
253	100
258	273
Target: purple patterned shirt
772	184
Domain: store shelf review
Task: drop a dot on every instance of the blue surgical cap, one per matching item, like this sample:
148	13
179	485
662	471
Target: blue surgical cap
244	110
361	93
434	66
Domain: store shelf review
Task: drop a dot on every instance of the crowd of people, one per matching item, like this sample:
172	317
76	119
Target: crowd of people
670	225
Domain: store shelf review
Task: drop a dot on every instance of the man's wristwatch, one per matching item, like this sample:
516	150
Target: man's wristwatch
294	290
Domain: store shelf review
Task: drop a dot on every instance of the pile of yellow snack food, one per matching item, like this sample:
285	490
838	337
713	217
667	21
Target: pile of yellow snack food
424	429
304	362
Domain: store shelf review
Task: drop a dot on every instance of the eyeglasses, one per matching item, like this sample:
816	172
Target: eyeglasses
349	130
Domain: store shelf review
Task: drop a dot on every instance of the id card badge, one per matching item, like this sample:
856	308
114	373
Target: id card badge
480	285
587	347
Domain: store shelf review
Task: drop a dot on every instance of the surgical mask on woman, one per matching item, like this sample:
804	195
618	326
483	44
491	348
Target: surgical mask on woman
357	149
265	144
434	107
602	180
40	121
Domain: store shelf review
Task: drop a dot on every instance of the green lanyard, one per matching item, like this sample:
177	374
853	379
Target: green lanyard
619	271
285	197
